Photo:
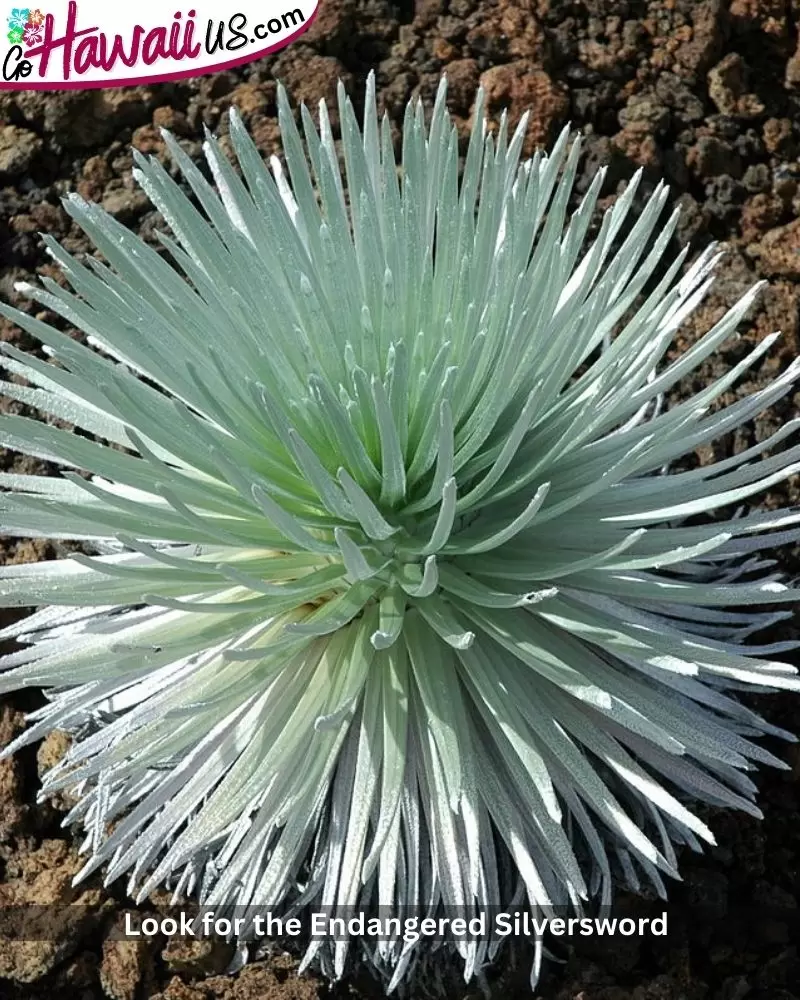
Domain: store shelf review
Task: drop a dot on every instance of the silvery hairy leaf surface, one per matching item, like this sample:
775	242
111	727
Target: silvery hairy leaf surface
392	593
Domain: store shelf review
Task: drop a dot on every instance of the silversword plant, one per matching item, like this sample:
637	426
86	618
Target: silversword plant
393	596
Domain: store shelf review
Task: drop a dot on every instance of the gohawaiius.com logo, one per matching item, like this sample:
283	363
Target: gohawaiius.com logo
97	44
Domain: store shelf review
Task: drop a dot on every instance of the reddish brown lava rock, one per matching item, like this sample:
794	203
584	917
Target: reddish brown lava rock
125	964
708	29
42	917
777	134
519	88
277	980
253	98
12	808
313	78
778	253
638	144
759	214
167	117
197	956
727	88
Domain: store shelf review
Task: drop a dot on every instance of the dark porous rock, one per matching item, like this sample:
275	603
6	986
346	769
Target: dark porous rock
692	222
757	178
782	971
677	95
724	195
646	112
19	148
463	76
712	156
707	894
734	988
125	204
81	118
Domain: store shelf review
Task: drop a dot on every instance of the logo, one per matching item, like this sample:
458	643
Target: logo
92	43
25	25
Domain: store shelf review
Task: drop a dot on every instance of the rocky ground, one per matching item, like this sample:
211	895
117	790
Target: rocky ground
706	94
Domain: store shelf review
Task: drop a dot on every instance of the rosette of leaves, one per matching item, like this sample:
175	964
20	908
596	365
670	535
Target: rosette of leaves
392	596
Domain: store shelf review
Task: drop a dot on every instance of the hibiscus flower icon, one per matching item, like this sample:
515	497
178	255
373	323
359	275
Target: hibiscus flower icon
33	34
18	19
35	18
15	36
